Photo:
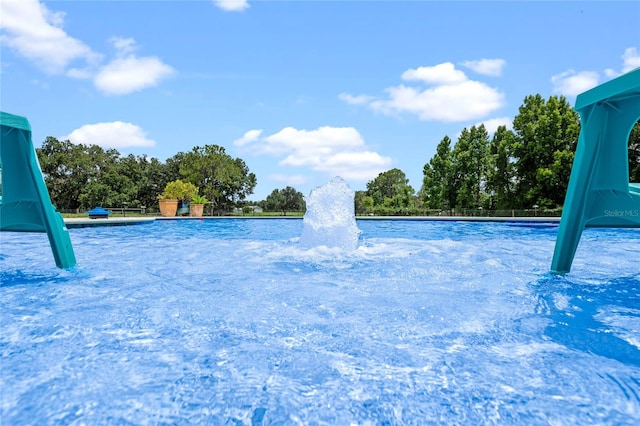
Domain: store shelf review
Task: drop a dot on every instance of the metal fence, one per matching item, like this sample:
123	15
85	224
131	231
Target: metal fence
464	213
124	211
504	213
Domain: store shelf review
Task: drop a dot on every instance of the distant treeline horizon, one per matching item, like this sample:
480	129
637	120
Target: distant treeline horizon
525	167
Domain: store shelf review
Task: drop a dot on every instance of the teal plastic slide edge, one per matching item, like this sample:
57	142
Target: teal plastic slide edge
25	205
599	192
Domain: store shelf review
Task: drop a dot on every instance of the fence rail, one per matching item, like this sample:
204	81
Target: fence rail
123	211
503	213
114	210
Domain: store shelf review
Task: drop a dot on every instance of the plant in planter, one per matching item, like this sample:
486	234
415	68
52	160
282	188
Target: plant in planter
174	192
196	207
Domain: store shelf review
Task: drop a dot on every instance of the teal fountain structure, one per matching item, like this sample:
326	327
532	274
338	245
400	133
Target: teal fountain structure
25	204
599	194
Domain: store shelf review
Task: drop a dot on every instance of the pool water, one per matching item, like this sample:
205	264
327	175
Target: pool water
233	322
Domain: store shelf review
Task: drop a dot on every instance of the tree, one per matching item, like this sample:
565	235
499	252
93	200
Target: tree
401	203
469	165
111	189
239	185
634	153
155	176
388	185
437	191
284	200
546	137
85	176
68	168
118	185
500	173
221	178
391	190
363	204
95	194
131	179
172	169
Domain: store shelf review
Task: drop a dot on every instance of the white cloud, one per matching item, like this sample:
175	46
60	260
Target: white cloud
571	83
131	74
630	61
464	101
356	165
492	124
445	73
124	46
332	150
492	67
452	96
85	73
116	134
232	5
250	136
611	73
128	73
36	33
355	100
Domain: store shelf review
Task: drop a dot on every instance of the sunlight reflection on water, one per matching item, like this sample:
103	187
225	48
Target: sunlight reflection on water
234	322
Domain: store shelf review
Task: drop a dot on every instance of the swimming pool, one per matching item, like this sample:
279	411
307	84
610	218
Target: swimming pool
232	321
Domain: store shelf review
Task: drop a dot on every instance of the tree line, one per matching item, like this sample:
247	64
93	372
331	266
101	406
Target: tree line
81	176
525	167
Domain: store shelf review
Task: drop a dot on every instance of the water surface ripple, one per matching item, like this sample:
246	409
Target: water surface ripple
234	322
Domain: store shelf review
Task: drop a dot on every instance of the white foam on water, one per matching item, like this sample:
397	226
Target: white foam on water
236	322
624	323
330	219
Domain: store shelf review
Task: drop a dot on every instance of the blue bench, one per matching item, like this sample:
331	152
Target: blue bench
98	213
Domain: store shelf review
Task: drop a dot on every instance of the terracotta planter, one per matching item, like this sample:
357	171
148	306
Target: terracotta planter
168	208
196	210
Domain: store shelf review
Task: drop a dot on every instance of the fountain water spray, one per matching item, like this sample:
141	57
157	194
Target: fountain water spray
330	220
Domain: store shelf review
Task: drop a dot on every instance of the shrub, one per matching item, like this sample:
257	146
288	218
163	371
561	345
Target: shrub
178	190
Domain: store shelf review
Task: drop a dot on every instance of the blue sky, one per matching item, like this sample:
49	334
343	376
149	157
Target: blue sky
302	91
